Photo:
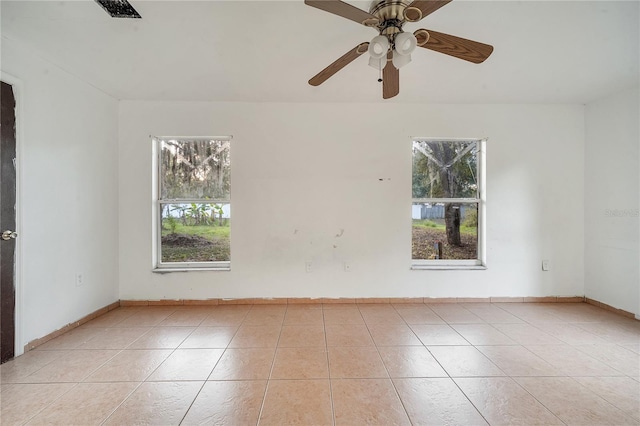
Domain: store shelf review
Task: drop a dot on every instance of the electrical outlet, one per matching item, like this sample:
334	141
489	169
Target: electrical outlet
307	266
347	267
79	279
546	265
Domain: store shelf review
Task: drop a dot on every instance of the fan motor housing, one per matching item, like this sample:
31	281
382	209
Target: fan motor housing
387	10
391	15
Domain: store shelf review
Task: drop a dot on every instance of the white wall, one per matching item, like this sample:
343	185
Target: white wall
68	197
612	191
302	173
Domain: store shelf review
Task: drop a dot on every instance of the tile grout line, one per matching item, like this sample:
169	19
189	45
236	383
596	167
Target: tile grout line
468	399
509	376
375	345
214	366
121	403
122	350
445	370
144	380
326	351
52	402
140	383
564	342
437	361
536	399
273	361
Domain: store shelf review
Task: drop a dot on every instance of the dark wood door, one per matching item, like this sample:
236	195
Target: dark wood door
7	221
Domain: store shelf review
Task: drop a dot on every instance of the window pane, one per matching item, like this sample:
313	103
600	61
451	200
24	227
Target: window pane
445	169
195	232
194	169
453	226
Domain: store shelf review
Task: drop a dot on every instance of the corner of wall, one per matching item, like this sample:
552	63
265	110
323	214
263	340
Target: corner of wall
612	204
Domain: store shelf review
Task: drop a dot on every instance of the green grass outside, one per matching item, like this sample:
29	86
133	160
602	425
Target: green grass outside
220	250
426	223
207	231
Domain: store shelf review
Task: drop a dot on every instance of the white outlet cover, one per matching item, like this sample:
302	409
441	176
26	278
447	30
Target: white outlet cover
546	265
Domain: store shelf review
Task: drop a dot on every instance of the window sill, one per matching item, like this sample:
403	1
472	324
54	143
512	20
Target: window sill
448	267
170	270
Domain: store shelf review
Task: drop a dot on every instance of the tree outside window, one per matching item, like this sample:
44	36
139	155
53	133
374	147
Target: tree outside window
194	203
446	195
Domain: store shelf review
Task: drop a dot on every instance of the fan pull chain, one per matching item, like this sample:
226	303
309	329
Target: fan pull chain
380	75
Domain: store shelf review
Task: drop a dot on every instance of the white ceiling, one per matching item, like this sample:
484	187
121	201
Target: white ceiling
266	51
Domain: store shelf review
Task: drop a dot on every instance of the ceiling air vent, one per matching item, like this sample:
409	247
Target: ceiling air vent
119	8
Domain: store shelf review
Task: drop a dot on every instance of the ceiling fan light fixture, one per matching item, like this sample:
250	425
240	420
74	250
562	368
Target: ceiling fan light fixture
378	47
377	63
399	60
405	43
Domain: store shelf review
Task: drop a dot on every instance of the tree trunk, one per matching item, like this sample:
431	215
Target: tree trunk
445	154
452	222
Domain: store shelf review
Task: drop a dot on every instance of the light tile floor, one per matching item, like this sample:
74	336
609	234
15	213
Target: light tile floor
467	364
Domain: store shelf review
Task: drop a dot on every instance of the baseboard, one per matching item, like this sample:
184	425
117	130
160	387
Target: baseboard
346	300
610	308
37	342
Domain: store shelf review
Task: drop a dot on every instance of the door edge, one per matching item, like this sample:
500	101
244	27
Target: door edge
18	94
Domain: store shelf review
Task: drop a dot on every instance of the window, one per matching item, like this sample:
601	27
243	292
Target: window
447	203
193	203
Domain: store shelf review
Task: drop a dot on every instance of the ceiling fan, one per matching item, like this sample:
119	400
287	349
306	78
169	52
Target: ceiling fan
392	48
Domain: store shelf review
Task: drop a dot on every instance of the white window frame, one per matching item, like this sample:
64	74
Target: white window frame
158	265
481	261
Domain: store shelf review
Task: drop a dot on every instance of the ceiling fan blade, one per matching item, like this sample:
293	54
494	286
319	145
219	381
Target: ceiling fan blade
340	63
469	50
119	8
390	79
418	9
340	8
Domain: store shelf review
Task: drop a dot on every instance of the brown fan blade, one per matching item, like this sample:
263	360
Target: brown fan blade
390	79
340	63
458	47
418	9
345	10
